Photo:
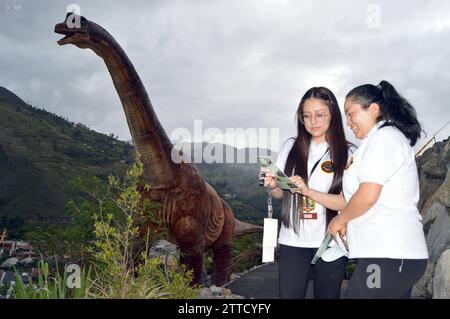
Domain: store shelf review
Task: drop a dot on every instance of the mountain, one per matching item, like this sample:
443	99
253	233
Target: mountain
40	152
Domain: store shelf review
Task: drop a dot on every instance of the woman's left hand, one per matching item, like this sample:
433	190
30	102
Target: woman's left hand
302	187
337	226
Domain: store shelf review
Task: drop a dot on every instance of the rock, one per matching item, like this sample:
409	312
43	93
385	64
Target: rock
168	253
235	276
424	287
441	280
163	247
205	293
434	175
438	238
227	293
428	187
444	156
431	210
432	169
437	204
425	157
215	292
444	191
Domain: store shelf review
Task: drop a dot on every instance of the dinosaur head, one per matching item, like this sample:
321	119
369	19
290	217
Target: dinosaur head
76	30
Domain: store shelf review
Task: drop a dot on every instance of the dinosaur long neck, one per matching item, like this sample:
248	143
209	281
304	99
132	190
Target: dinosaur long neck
149	138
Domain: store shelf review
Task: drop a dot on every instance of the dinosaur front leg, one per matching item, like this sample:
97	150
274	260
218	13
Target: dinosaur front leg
221	258
222	249
190	239
193	261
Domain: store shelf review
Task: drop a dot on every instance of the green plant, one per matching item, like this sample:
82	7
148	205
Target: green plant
123	226
55	287
4	290
120	251
350	268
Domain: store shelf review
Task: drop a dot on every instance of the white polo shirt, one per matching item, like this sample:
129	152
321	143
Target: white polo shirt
392	228
311	231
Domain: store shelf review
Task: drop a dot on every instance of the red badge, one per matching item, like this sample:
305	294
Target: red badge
307	215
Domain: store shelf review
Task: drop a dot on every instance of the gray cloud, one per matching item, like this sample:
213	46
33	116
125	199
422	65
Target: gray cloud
229	63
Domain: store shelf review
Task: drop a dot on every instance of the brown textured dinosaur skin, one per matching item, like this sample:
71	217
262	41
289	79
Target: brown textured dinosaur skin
196	216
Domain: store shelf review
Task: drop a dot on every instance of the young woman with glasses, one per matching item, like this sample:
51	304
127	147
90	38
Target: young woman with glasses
318	154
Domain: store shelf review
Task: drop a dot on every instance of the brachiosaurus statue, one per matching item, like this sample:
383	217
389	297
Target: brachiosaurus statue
195	215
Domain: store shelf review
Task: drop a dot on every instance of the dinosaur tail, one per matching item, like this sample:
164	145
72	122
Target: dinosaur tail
242	228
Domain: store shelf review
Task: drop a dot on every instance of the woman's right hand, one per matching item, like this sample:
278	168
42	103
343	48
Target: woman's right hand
270	179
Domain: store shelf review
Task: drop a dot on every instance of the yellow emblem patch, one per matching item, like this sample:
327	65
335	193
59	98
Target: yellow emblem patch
327	167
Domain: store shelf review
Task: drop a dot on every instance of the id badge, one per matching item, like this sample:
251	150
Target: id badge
269	239
309	207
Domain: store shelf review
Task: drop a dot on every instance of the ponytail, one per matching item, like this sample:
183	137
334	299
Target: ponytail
398	112
394	109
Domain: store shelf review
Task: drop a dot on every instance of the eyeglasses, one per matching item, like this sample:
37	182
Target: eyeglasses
307	117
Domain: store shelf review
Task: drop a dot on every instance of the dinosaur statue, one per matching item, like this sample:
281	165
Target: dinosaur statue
195	215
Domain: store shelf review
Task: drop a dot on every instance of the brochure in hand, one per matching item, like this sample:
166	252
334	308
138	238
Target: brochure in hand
282	179
325	249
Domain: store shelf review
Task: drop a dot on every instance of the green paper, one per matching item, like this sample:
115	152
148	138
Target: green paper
282	180
323	246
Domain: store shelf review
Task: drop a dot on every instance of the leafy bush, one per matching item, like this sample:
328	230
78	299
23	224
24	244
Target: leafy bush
124	225
123	267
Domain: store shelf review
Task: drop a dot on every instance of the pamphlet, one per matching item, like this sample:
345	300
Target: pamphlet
329	252
282	179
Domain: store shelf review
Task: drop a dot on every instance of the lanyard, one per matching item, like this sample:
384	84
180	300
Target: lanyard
317	163
269	202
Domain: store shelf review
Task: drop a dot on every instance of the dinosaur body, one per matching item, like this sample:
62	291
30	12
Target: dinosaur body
195	215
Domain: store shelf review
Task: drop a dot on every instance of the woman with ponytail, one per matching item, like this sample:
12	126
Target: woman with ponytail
319	154
381	220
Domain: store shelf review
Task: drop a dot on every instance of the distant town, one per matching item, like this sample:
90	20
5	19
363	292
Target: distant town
16	256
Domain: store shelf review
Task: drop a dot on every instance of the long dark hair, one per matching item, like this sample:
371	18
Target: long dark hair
394	108
297	160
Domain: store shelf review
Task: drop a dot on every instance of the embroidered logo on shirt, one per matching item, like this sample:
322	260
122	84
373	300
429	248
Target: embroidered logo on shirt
327	167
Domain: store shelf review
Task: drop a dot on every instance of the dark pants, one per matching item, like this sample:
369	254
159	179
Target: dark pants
376	278
295	269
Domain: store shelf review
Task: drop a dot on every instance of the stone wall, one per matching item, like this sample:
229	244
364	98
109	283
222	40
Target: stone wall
434	174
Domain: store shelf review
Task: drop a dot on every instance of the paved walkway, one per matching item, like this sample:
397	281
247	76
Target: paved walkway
262	283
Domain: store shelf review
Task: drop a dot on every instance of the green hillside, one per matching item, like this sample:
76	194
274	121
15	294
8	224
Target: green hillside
41	152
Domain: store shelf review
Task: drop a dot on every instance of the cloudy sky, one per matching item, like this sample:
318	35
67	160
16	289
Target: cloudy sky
230	63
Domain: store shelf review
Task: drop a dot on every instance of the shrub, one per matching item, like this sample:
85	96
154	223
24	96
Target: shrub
125	224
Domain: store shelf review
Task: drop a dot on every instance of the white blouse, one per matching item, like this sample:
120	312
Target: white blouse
392	228
311	231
